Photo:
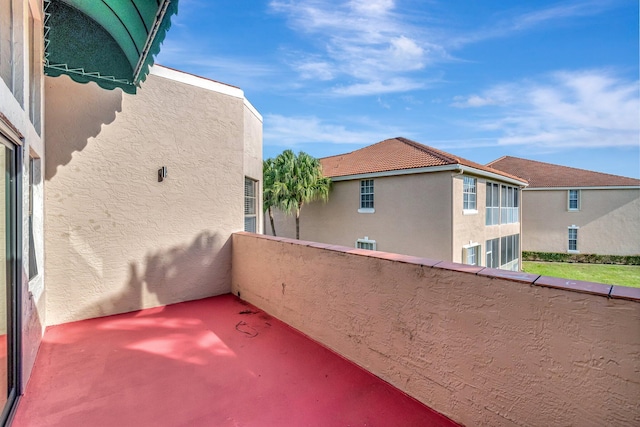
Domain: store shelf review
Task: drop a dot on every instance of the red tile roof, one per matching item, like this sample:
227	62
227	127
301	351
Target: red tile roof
395	154
543	175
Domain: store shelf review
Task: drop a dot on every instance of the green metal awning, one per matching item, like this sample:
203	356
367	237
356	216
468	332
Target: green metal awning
110	42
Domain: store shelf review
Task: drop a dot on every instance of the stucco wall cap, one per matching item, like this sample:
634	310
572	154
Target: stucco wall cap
462	268
515	276
574	285
625	292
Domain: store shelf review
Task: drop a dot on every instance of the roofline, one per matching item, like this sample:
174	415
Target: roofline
443	168
493	175
577	187
204	83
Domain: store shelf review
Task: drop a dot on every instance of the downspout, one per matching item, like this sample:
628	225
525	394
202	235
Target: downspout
460	171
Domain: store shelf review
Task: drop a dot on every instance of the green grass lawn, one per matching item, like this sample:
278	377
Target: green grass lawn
623	275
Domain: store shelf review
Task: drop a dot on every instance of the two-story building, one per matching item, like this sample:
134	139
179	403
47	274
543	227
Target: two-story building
570	210
404	197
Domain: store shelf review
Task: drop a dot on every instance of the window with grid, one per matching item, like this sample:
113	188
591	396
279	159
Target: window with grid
509	205
573	239
366	244
472	255
574	200
493	204
366	194
492	253
250	205
510	252
469	193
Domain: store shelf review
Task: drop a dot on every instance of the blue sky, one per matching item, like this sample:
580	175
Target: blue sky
554	81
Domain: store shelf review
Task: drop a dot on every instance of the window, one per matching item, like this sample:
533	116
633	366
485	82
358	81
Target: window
510	252
573	238
34	178
366	244
250	193
509	205
493	204
471	254
366	196
469	194
492	253
35	71
574	200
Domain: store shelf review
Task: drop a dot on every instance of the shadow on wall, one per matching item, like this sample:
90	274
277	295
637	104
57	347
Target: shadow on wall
74	113
201	269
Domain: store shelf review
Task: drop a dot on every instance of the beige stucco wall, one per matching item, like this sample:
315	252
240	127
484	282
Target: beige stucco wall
418	214
117	239
472	228
609	221
481	350
412	216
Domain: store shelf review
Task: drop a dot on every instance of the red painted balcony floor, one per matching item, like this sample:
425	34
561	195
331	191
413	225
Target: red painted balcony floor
213	362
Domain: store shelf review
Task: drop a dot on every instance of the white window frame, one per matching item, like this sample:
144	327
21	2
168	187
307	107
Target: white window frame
512	247
492	207
367	206
473	250
469	195
366	242
251	203
575	229
509	204
492	247
577	199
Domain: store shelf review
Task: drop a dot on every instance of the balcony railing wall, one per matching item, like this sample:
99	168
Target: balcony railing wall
482	346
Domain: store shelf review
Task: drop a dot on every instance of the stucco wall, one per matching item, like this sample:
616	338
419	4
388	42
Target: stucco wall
16	103
481	350
609	221
117	239
472	228
412	216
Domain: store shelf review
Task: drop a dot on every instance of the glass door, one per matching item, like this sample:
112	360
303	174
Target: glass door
8	290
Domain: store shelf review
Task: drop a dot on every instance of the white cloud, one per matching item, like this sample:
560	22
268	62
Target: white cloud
591	108
524	21
368	41
378	87
290	131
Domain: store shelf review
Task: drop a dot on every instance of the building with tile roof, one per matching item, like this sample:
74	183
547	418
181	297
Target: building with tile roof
402	196
566	209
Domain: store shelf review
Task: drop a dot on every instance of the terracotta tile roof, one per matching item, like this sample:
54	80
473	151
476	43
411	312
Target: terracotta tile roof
543	175
395	154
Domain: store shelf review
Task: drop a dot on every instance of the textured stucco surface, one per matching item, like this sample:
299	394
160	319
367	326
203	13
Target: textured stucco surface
15	106
472	228
117	239
609	221
419	215
481	350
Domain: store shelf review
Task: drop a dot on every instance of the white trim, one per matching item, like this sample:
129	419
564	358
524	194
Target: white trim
251	108
491	175
469	211
366	210
455	167
190	79
612	187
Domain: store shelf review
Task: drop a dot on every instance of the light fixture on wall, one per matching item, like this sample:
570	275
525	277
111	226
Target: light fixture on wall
162	173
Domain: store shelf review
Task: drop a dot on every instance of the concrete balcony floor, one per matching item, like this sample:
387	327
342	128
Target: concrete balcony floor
212	362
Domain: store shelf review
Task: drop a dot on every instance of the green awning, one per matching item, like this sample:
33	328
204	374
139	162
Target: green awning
110	42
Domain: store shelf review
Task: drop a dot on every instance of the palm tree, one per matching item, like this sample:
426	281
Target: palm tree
299	181
270	191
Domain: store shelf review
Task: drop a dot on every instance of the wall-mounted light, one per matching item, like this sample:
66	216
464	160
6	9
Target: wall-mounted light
162	173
